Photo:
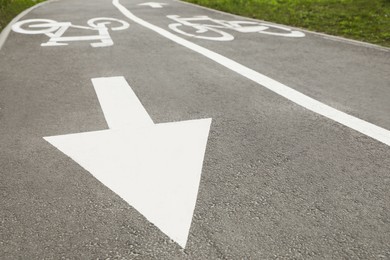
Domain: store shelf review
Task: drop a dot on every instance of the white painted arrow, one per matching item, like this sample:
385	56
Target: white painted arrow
154	4
156	168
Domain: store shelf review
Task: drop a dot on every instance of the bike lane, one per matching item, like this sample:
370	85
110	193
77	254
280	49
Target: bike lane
334	159
51	207
348	76
277	179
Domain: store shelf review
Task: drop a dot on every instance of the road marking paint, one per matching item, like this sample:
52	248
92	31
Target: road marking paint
154	4
323	35
127	110
364	127
55	30
154	168
205	24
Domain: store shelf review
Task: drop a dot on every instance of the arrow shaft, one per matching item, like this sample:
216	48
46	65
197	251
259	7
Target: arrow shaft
120	105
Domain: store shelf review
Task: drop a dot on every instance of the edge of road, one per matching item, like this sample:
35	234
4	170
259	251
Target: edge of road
324	35
4	34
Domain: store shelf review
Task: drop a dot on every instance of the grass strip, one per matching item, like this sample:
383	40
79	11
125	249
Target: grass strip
11	8
363	20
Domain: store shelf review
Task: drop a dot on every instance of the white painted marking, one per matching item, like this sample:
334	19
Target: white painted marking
205	24
154	4
325	36
154	168
127	110
371	130
55	30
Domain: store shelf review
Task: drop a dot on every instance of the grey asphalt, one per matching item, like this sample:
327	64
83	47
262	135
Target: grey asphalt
278	181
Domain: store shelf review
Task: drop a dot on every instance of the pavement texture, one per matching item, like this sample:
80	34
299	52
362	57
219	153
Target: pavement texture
278	181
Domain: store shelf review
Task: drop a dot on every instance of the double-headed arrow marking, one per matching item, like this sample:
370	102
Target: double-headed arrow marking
156	168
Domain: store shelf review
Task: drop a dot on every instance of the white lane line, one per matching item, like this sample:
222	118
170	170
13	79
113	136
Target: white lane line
369	129
127	110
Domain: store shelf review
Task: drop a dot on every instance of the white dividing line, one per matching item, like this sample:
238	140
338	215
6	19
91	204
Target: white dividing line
309	103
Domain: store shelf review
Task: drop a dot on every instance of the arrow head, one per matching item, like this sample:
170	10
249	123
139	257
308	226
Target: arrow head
156	169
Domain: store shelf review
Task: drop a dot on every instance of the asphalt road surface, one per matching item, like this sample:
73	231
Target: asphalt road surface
297	162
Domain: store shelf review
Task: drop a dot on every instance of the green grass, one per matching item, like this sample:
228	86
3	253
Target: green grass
11	8
364	20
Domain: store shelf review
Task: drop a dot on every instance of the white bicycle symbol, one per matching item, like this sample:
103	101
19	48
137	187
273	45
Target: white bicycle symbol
55	30
212	27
